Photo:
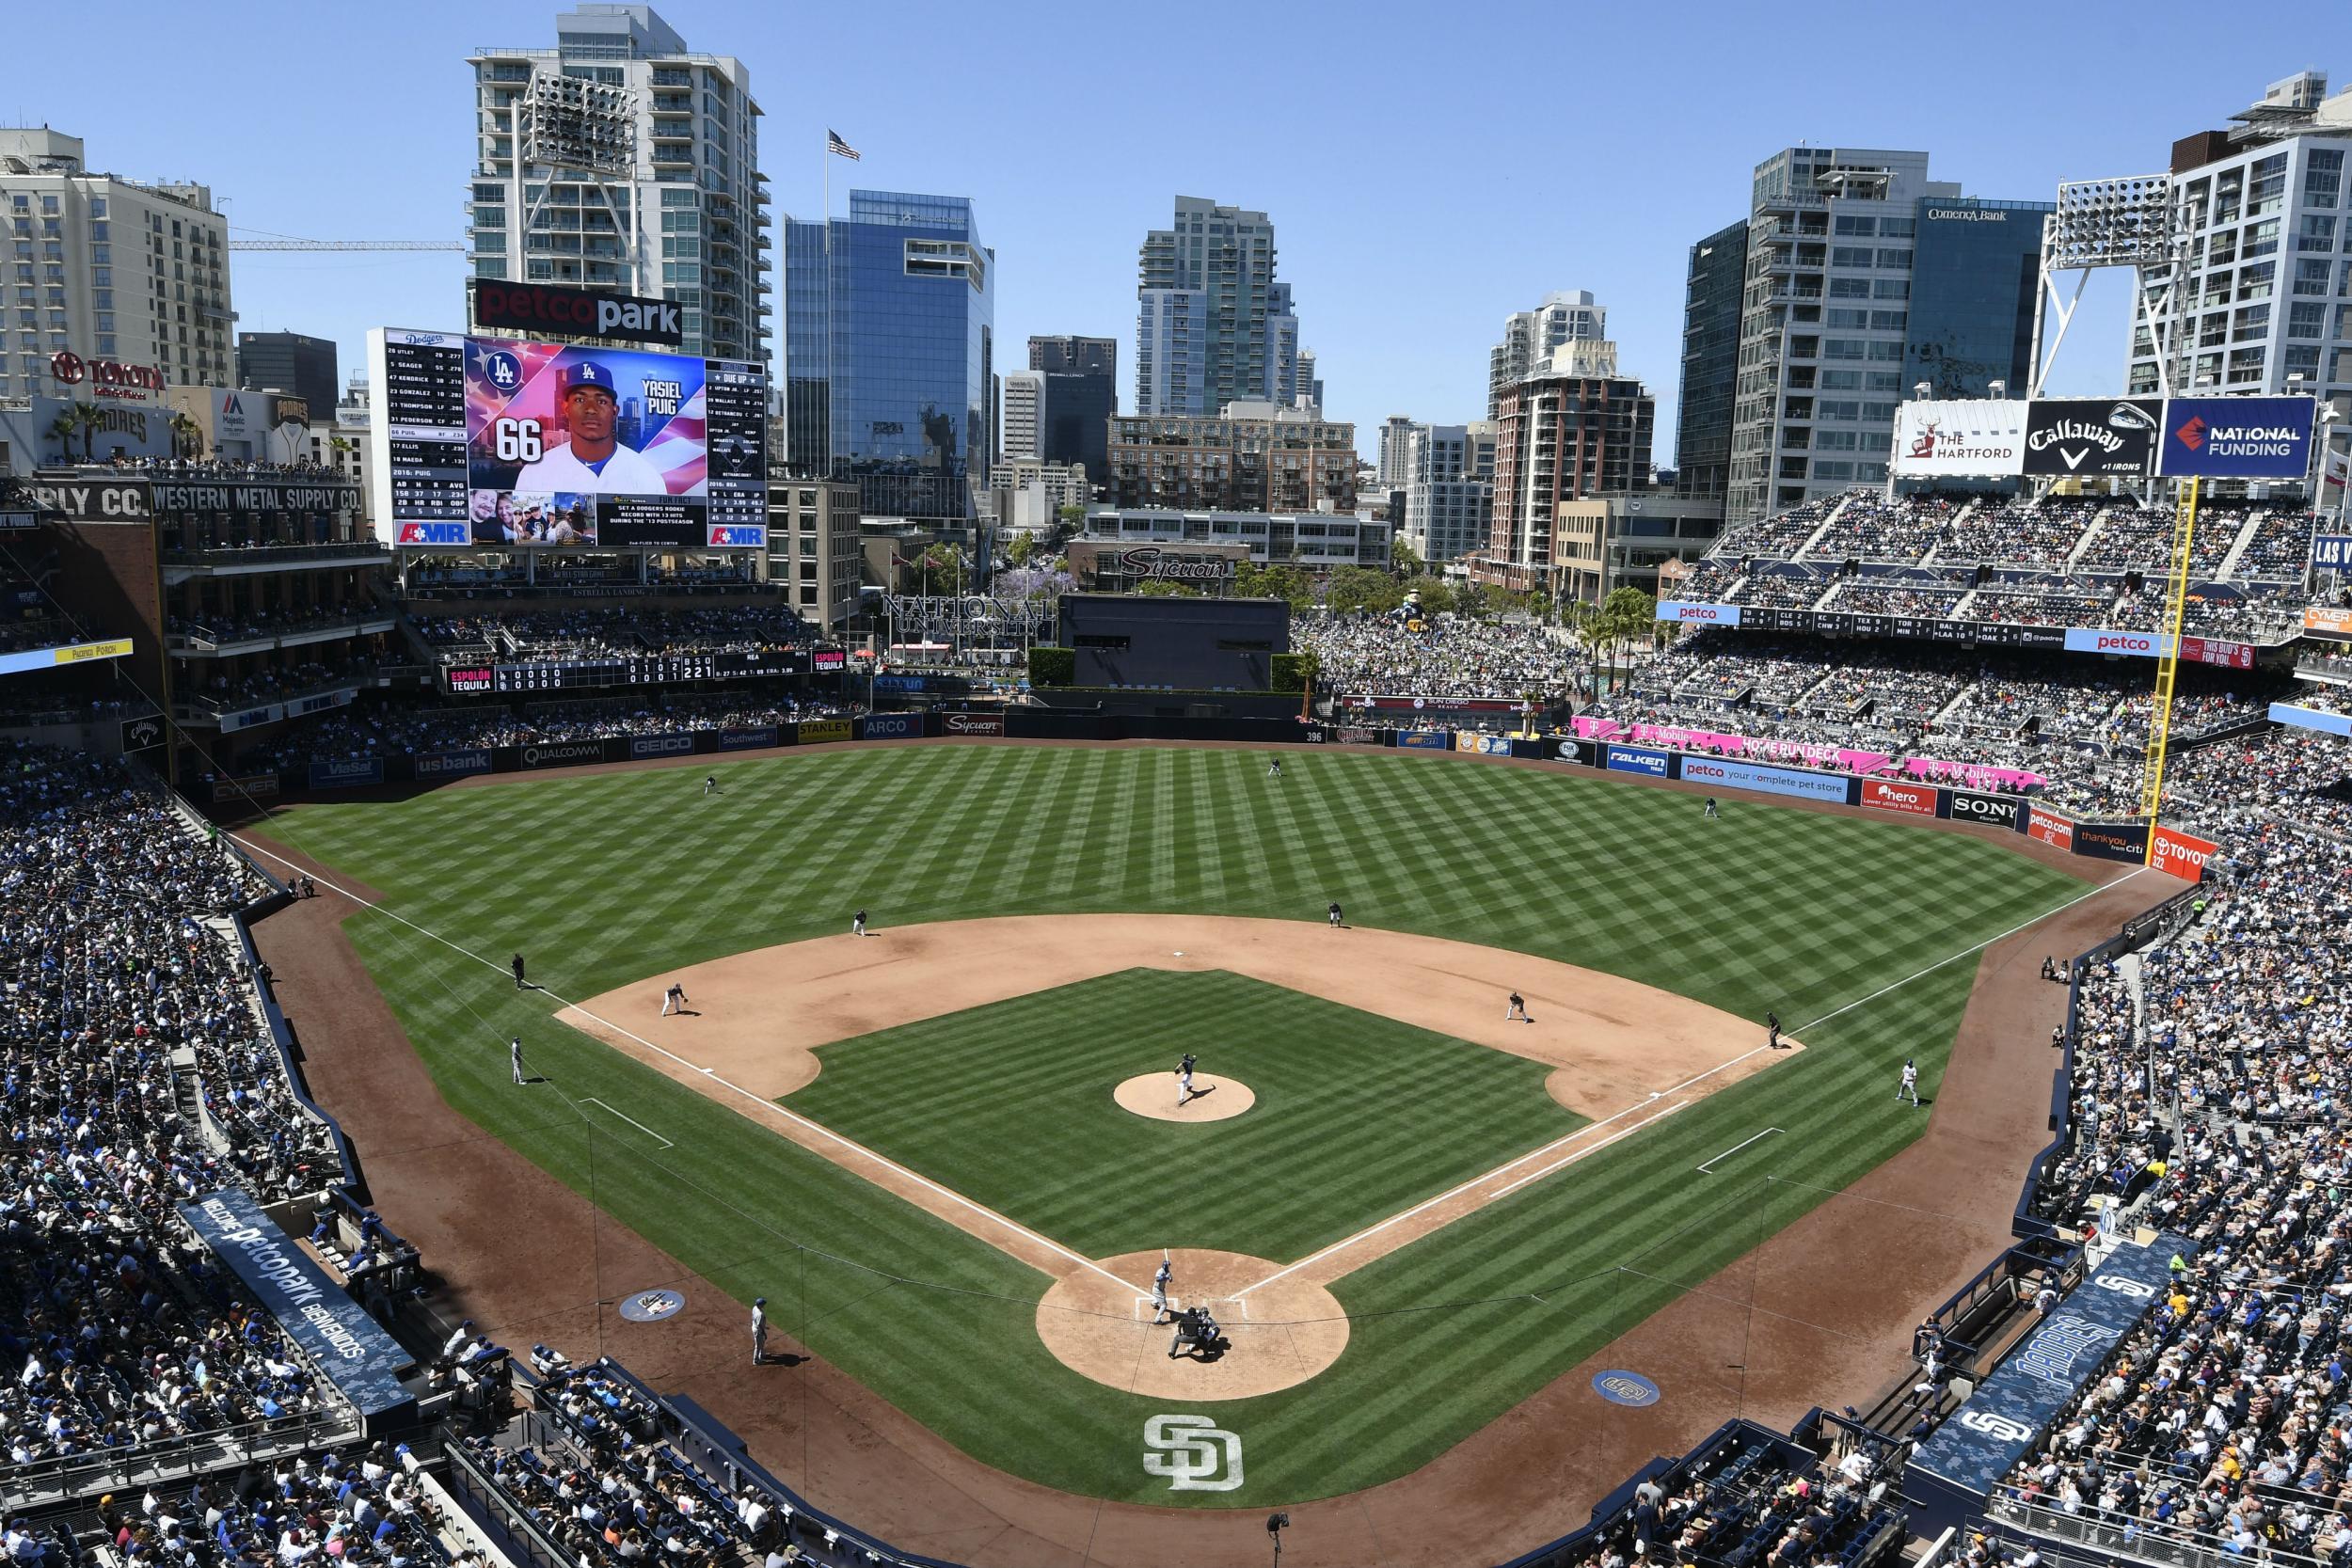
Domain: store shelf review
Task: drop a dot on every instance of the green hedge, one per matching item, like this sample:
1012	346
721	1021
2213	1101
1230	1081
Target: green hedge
1294	672
1052	666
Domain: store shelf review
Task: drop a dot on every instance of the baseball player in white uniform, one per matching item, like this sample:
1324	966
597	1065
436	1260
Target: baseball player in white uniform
1908	1089
759	1330
591	458
514	1054
1159	1288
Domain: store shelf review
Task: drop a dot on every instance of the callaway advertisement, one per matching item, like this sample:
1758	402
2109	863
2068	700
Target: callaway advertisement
1936	438
490	443
2090	437
2237	437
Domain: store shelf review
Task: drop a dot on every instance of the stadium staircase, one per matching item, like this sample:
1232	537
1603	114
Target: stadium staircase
2238	546
1959	519
1960	698
1960	609
1827	523
2098	521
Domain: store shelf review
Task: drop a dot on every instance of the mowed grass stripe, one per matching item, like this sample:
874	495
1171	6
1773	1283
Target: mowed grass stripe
622	878
1340	1094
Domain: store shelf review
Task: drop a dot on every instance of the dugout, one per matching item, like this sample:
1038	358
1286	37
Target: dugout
1122	639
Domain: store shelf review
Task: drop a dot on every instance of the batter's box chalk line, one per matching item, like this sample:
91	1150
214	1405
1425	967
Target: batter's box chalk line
1218	1305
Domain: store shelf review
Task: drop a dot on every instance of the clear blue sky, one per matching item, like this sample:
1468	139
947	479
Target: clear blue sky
1428	169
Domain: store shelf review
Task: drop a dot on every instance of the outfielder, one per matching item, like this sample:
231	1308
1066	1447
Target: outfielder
1183	1081
1908	1089
1712	812
674	998
1160	1282
514	1054
711	785
1274	768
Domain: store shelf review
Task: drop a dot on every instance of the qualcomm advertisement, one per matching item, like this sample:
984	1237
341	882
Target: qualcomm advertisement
1765	780
2238	438
340	1338
1975	1448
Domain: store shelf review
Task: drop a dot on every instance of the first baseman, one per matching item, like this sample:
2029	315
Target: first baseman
759	1330
514	1054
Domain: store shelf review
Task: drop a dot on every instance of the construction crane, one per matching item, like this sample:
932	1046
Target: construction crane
346	245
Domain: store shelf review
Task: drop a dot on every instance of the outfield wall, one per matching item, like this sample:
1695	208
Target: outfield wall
2177	853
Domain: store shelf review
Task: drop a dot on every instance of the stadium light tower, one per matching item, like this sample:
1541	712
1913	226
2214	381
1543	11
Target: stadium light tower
569	130
2127	222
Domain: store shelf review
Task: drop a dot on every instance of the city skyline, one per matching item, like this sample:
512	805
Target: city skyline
384	154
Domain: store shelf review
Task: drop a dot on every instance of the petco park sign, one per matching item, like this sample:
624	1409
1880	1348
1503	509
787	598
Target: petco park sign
542	308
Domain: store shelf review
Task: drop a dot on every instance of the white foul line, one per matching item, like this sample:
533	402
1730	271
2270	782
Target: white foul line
1736	1149
592	1100
1555	1145
1965	951
794	1117
1584	1153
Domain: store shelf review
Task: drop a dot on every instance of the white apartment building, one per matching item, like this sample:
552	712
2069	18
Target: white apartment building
1832	239
105	269
1529	338
684	213
1213	325
1396	434
2268	211
1021	407
1449	488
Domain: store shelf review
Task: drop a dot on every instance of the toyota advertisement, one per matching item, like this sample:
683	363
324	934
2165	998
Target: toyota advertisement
505	443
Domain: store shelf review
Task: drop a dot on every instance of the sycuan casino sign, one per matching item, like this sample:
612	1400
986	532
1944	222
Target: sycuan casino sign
1150	561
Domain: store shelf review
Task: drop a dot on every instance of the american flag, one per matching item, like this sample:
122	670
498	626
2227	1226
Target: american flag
835	144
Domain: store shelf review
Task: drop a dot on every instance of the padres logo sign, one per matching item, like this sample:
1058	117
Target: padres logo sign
651	1307
1191	1451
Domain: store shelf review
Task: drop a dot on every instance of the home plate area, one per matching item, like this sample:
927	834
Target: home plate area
1276	1331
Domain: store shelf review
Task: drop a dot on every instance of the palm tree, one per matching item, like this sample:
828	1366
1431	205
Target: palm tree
92	419
186	433
62	429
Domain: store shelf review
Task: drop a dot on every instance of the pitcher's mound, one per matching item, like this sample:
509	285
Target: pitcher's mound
1153	1095
1278	1336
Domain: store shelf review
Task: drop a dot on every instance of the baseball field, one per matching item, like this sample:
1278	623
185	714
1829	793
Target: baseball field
911	1144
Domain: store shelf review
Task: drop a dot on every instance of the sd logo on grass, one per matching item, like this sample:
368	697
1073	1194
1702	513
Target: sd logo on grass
1190	1450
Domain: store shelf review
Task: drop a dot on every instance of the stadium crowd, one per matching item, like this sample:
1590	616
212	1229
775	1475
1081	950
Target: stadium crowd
115	1329
1453	655
347	737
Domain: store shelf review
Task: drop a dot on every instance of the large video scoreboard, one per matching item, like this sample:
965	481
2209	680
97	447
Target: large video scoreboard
502	443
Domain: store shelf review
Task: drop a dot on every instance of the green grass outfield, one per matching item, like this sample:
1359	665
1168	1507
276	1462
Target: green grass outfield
617	877
1358	1116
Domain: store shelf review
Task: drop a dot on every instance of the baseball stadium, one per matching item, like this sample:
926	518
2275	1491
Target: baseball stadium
537	1038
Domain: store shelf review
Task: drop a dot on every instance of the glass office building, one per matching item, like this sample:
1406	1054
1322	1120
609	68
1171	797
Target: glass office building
889	351
1972	295
1712	291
